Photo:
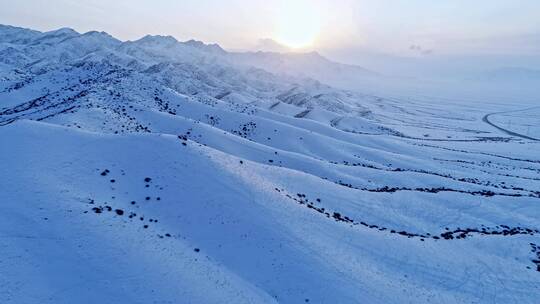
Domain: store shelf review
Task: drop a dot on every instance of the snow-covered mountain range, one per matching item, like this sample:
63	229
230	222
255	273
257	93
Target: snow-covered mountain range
159	171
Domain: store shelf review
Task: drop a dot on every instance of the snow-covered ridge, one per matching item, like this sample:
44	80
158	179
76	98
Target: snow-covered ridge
294	64
176	172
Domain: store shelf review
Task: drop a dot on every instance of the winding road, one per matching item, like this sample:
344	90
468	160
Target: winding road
509	132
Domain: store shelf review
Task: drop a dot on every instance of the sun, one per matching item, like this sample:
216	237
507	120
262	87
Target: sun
298	25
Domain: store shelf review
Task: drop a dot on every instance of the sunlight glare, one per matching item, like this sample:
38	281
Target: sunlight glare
298	24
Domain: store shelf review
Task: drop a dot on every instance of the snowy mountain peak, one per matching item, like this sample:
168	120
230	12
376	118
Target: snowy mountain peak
99	34
212	48
100	39
157	40
62	31
12	34
270	45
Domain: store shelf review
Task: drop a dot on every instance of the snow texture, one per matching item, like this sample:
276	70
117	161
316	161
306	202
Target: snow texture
159	171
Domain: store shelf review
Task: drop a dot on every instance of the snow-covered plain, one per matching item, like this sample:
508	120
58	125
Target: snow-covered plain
158	171
523	121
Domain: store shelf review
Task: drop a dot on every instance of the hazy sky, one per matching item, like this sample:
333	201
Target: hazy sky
399	27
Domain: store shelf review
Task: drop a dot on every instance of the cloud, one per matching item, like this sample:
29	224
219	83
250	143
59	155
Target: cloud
417	49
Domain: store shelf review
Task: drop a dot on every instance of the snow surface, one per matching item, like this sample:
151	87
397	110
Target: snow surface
158	171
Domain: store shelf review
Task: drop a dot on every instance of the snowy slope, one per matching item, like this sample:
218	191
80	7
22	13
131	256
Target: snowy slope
158	171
